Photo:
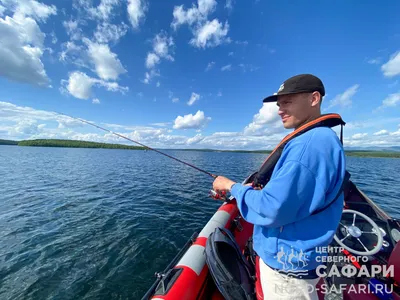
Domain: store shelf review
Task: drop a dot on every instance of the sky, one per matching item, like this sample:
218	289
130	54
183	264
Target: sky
192	74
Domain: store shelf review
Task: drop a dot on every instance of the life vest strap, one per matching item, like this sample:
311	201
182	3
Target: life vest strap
327	120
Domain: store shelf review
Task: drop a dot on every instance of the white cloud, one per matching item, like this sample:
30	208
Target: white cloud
26	127
391	100
148	76
224	134
106	63
358	136
248	67
53	37
205	33
344	99
32	8
22	42
229	4
151	60
111	86
206	7
2	10
374	61
80	85
266	120
211	34
374	123
158	84
268	114
181	16
193	98
195	14
386	141
17	122
162	49
171	96
381	132
107	32
96	101
226	68
382	138
72	29
195	140
162	124
395	133
73	53
94	52
238	140
210	66
392	67
191	121
245	43
136	12
104	9
162	45
27	117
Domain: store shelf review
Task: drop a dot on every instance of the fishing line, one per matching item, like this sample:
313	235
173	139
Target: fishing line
124	137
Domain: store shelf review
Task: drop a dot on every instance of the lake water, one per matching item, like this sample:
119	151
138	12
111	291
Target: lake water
98	223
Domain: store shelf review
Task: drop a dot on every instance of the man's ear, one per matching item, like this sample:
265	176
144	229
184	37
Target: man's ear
316	99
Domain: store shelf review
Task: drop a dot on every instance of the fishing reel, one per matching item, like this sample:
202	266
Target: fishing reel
220	195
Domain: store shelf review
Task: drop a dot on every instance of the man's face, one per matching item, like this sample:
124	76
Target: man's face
295	109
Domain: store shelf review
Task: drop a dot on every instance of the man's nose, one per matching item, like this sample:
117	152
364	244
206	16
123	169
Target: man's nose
280	111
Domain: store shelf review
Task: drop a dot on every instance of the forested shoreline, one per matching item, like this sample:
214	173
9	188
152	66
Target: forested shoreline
8	142
75	144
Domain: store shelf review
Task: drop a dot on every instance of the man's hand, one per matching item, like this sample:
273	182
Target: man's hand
222	183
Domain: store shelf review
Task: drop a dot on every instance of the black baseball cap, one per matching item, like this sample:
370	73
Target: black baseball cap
303	83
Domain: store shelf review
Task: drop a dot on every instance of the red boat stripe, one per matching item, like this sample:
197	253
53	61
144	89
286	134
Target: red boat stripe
219	219
201	241
194	259
230	208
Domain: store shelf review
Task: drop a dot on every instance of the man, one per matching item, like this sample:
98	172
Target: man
299	208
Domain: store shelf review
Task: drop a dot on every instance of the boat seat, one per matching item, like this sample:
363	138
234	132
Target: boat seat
394	260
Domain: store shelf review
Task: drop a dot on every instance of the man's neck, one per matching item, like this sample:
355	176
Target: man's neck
309	119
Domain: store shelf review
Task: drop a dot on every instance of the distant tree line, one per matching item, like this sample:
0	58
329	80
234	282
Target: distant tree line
75	144
8	142
373	154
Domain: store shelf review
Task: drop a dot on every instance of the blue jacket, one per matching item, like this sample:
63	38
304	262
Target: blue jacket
307	176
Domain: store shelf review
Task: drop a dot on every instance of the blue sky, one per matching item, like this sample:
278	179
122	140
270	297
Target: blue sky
192	74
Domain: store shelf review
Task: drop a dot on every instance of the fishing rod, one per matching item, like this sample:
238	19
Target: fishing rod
124	137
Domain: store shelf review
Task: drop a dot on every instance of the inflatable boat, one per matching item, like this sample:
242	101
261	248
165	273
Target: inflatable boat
368	239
